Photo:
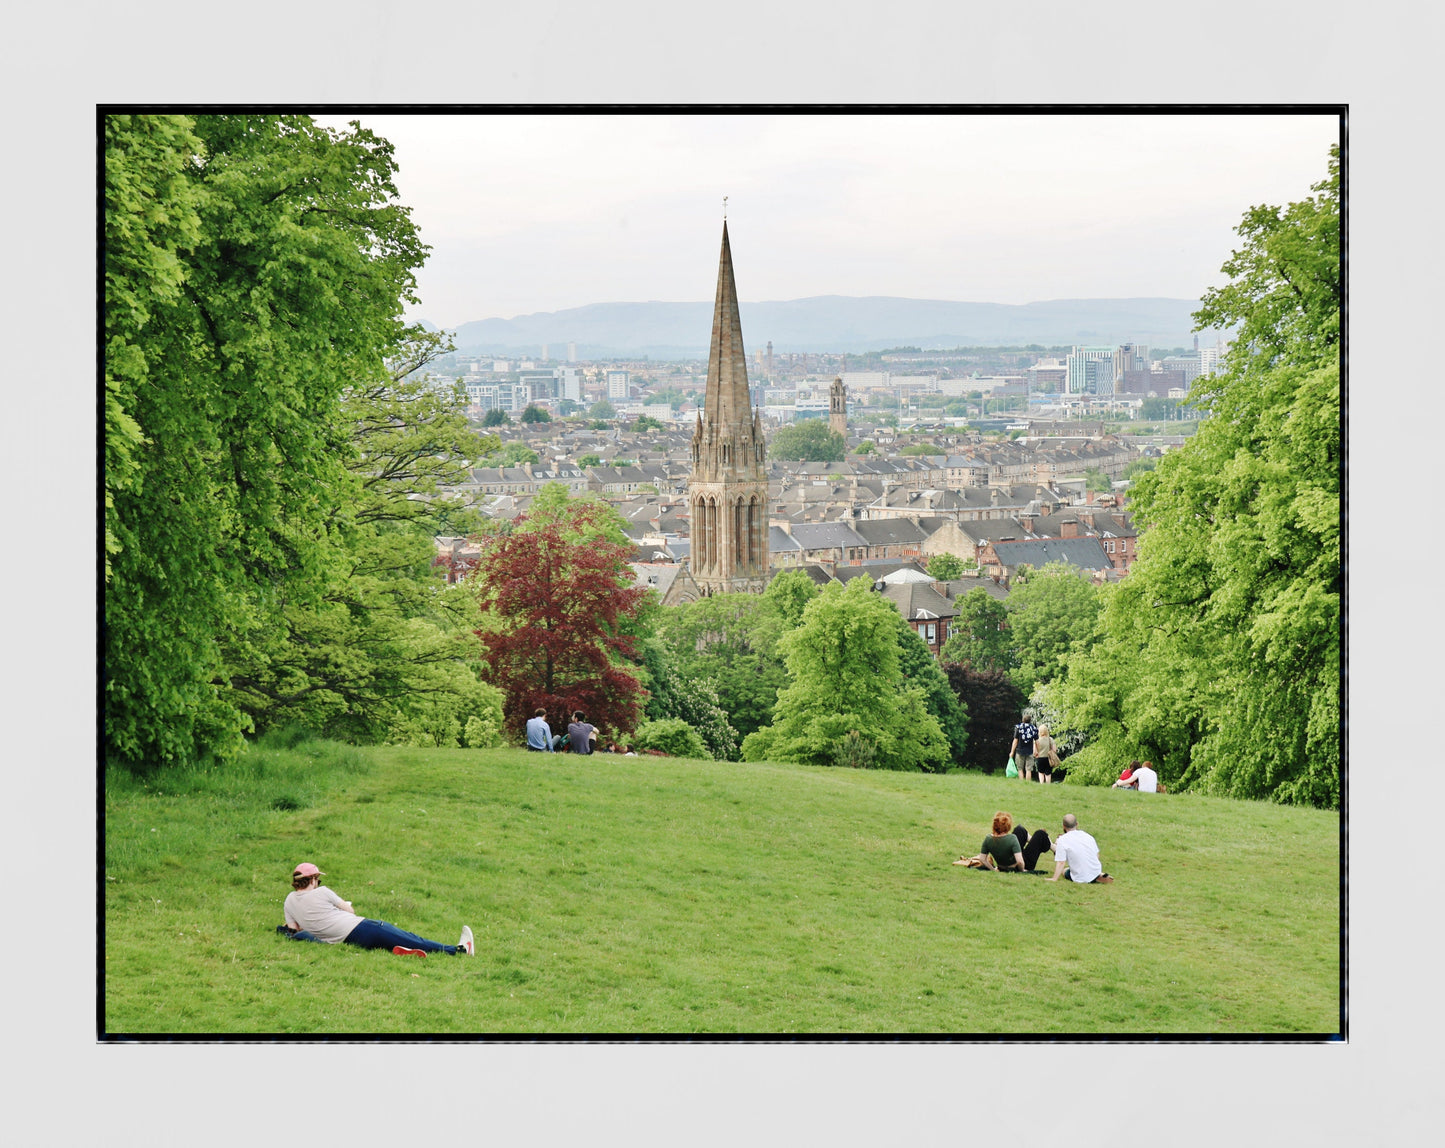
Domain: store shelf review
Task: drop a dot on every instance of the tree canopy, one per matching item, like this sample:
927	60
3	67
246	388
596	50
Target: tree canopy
558	597
535	414
844	677
256	268
811	440
1220	653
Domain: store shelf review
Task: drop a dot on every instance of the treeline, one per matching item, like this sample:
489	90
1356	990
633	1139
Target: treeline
272	466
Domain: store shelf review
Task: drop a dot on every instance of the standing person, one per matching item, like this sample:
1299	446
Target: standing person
583	736
539	734
315	911
1009	849
1024	734
1046	755
1076	856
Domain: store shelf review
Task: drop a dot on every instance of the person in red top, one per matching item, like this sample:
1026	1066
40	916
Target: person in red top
1126	778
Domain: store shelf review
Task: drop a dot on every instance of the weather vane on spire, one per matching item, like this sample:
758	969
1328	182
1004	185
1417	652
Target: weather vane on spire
725	209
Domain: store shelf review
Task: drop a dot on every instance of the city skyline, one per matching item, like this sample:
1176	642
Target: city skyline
536	213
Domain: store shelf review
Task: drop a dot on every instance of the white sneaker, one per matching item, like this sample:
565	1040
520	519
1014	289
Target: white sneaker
466	941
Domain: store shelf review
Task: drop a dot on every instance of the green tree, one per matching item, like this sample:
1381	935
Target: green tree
647	423
919	450
512	454
256	267
919	669
602	410
1220	654
671	736
811	440
980	638
790	591
866	448
589	460
1051	614
945	567
496	417
843	675
730	641
535	414
382	652
1096	480
1137	467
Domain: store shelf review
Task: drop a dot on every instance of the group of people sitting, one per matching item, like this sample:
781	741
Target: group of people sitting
1139	776
1010	849
579	738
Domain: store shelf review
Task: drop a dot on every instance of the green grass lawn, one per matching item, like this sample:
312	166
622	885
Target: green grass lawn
634	895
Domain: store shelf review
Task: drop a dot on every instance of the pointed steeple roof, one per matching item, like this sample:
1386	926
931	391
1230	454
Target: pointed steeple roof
726	400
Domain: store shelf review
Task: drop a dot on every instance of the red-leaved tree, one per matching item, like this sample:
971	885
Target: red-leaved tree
561	594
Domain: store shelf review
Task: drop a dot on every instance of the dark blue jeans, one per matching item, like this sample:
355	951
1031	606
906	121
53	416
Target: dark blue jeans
383	935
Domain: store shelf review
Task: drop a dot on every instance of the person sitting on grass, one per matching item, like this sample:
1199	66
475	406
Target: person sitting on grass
1143	779
582	735
1076	856
1008	849
314	913
1126	779
539	734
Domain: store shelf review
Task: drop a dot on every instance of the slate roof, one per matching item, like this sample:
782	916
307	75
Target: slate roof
825	535
1085	553
889	532
919	601
780	541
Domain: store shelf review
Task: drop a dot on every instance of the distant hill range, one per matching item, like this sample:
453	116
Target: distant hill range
833	323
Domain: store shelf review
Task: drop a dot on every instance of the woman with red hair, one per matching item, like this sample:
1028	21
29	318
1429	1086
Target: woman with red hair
1008	849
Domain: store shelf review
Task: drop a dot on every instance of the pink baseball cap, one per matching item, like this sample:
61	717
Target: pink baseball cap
306	869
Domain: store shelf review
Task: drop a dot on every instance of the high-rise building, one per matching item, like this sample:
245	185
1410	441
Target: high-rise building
838	407
728	490
1079	375
617	387
768	360
571	352
544	352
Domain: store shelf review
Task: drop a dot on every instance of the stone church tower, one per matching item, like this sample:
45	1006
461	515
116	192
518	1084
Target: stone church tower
728	491
838	408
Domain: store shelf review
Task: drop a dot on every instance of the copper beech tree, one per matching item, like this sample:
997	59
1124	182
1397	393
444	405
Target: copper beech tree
560	598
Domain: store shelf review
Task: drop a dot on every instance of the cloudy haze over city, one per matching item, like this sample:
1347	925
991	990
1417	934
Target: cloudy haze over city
529	213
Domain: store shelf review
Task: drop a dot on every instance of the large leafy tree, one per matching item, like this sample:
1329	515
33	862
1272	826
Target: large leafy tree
980	637
383	652
558	599
844	678
1220	656
811	440
1051	613
730	641
919	669
256	267
993	702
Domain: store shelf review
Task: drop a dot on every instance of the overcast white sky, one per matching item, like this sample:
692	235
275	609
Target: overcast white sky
530	213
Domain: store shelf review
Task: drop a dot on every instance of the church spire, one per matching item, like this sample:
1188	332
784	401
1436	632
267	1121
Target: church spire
727	367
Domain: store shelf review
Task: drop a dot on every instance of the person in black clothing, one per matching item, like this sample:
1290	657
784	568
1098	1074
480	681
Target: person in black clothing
1022	750
1009	849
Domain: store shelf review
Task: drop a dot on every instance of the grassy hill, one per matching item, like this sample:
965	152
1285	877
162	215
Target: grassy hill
628	895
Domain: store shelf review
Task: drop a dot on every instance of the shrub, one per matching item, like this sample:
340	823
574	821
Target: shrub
672	736
856	751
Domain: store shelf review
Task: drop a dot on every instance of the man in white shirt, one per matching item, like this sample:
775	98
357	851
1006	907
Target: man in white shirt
1142	779
1076	856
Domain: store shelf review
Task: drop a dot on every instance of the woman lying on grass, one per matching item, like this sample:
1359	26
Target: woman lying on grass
315	913
1007	851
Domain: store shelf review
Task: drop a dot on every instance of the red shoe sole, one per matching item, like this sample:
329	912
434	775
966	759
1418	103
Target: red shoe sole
401	951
